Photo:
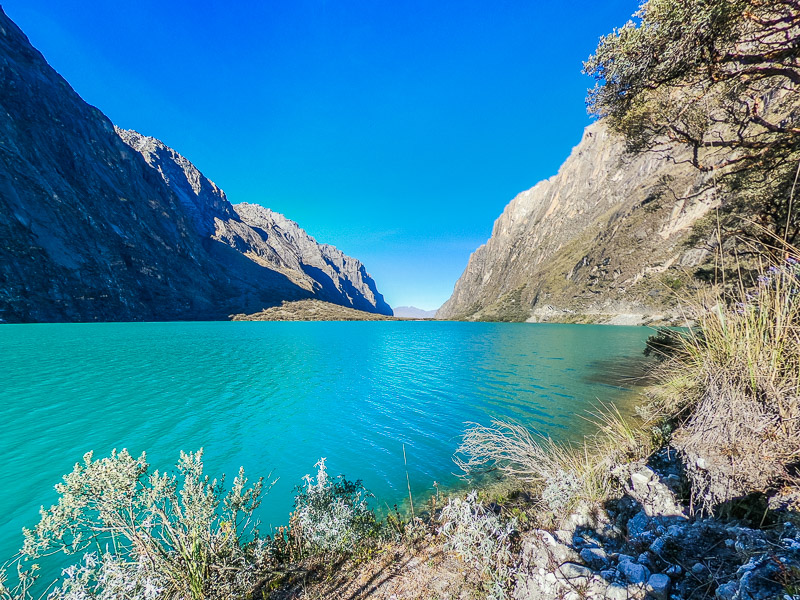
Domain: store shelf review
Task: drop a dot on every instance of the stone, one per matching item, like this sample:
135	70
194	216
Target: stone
573	571
641	478
608	574
726	591
657	547
615	591
634	573
658	586
594	557
638	525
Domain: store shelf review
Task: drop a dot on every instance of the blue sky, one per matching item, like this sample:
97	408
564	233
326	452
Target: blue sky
396	131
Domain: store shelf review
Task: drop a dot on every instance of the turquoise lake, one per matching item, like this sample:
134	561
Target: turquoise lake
275	397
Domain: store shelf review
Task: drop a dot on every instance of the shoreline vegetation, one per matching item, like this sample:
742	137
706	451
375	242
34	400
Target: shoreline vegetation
693	496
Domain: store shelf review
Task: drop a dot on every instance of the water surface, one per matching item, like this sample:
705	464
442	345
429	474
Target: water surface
275	397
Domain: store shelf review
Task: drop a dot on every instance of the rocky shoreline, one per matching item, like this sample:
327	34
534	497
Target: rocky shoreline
644	544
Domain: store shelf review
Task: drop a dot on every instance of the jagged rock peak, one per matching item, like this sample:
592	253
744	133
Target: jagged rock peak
339	275
262	235
200	196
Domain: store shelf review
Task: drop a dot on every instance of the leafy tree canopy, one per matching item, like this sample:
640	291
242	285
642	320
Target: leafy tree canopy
718	76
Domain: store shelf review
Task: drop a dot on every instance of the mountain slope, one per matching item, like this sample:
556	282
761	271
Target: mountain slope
267	238
603	240
412	312
91	231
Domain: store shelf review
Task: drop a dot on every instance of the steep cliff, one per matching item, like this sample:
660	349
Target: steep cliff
603	240
267	238
91	231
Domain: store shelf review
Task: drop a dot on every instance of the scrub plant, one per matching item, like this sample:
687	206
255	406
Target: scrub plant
741	372
146	534
563	474
332	514
479	537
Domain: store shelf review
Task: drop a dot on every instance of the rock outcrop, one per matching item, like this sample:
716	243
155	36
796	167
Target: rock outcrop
94	229
267	238
312	310
603	240
645	545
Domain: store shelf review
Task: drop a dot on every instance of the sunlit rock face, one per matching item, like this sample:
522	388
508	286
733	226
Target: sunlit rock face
604	240
96	229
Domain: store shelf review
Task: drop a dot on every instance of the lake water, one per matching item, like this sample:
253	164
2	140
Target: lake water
275	397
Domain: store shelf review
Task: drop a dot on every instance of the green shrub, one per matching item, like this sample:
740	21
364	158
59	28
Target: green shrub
332	514
156	535
481	540
739	376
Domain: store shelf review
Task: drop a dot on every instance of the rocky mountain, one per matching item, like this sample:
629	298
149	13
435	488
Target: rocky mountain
267	238
604	240
412	312
95	229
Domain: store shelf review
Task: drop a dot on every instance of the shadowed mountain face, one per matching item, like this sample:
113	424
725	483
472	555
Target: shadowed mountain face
265	237
92	231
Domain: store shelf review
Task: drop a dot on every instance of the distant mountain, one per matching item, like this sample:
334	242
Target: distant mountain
99	224
262	235
412	312
604	240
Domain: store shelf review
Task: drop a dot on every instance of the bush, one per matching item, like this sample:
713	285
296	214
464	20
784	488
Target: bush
332	515
165	536
564	475
482	541
740	375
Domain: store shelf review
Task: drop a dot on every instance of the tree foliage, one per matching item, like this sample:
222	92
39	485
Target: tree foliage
720	77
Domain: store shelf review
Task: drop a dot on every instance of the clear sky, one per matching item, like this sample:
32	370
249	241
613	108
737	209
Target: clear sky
396	131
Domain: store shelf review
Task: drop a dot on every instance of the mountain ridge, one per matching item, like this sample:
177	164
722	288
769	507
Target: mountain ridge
412	312
93	232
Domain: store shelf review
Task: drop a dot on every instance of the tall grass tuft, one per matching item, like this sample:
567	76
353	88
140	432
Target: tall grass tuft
564	475
739	376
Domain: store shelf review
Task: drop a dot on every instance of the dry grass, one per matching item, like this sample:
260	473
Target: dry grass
563	475
738	376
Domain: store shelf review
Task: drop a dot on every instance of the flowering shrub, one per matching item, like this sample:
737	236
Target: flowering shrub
481	540
332	514
165	536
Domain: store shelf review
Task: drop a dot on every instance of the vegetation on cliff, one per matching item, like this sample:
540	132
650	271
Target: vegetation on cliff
719	77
